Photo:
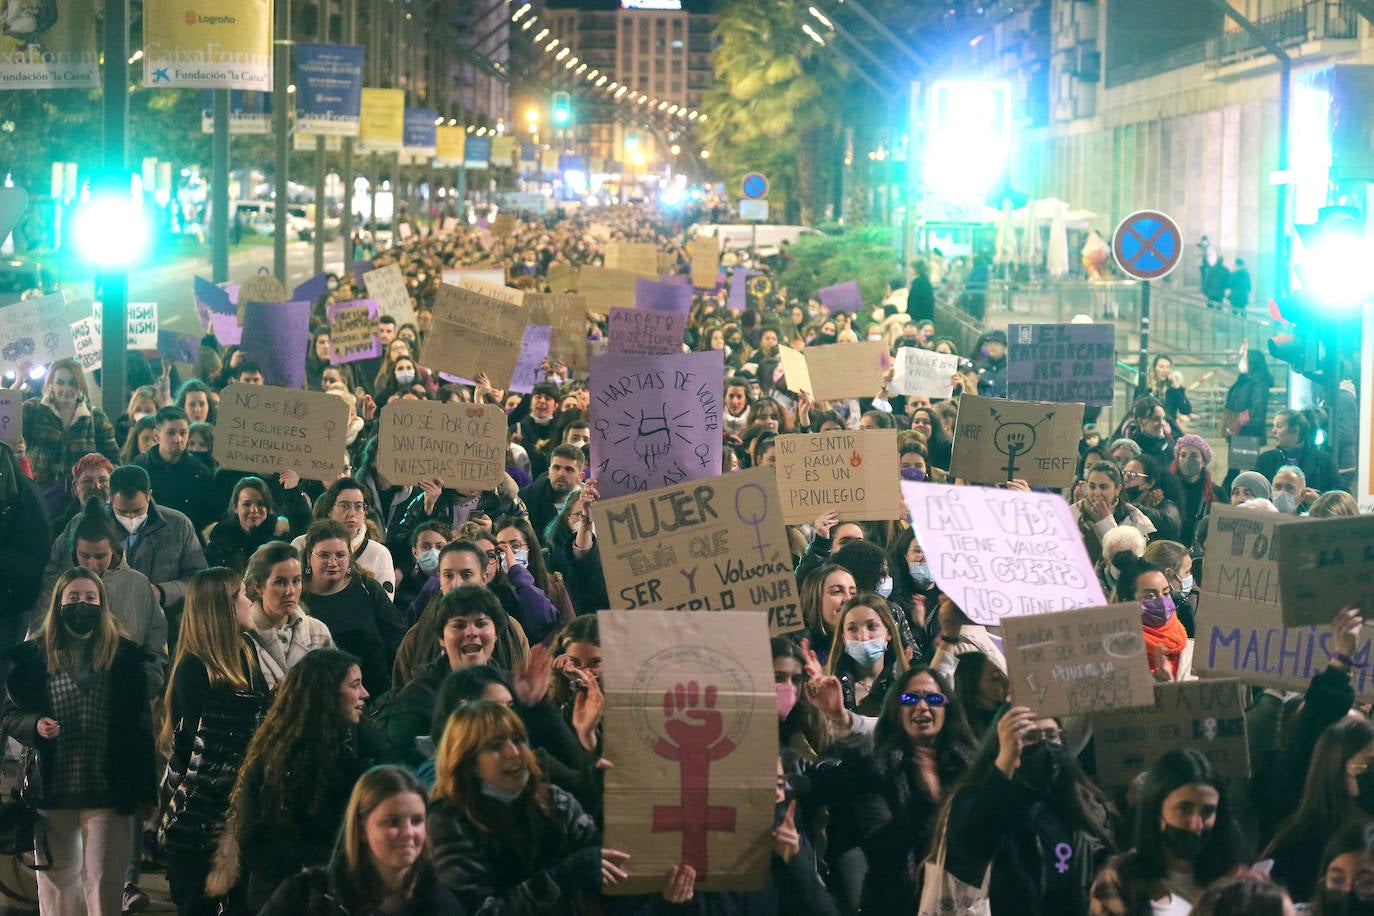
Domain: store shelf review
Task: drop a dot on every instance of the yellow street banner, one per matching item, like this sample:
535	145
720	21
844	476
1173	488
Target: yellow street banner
381	122
502	151
450	143
47	45
189	43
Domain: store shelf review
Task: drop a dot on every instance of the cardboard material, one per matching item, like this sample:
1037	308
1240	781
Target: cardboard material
387	287
691	721
712	545
1063	363
923	373
639	332
36	330
795	376
842	297
503	227
655	420
184	348
996	440
847	370
258	287
265	430
663	296
483	284
11	416
562	278
566	313
638	258
462	444
1080	661
454	275
1205	715
1002	553
353	331
534	349
605	288
705	254
277	334
473	333
1325	564
853	472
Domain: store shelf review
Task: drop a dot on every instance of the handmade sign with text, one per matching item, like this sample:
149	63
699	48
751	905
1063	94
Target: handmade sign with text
640	332
691	720
387	287
996	440
1063	363
483	284
462	444
1324	565
853	472
712	545
472	333
604	287
142	324
639	258
923	373
36	330
265	430
1206	715
353	331
1080	661
1002	553
566	313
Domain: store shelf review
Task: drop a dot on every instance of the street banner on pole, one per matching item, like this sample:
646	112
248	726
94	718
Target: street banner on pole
54	48
329	89
381	124
187	44
449	143
249	112
419	137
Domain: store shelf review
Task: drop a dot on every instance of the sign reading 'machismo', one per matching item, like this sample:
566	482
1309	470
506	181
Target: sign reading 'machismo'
1064	363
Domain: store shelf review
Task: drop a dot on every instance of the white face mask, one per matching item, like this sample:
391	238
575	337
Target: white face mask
884	586
1185	585
132	525
405	376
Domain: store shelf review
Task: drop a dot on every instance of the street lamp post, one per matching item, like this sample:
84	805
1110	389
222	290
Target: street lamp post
113	277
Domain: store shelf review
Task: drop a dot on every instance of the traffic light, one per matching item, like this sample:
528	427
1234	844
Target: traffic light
1301	346
561	109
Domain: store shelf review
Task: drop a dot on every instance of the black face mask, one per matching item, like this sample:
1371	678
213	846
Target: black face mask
1344	903
1041	766
1365	783
80	617
1184	844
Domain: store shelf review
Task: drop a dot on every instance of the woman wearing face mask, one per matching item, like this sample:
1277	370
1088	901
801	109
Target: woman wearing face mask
1023	809
866	655
983	691
297	776
505	840
1192	455
824	591
425	543
360	617
801	727
281	632
1152	492
77	699
250	522
913	589
62	426
1165	637
382	863
1174	559
404	378
515	532
868	564
1345	885
1185	839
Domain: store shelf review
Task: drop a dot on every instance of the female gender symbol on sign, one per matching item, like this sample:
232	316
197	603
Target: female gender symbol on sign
1147	245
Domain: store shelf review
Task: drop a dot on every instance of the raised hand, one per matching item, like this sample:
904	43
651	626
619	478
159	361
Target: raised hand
786	839
532	679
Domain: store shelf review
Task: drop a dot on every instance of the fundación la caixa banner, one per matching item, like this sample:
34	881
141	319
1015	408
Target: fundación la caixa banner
208	45
48	44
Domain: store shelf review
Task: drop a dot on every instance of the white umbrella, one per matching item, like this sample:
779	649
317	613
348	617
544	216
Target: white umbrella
1030	245
1006	236
1057	253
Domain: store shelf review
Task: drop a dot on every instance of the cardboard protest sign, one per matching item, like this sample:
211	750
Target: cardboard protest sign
87	341
1002	553
850	471
716	544
266	430
212	298
387	287
737	299
562	277
663	296
11	416
1325	564
36	330
842	297
353	331
454	275
566	313
1206	715
534	349
1241	630
277	334
184	348
847	370
503	227
604	288
141	323
501	291
599	231
795	376
705	254
473	333
226	329
690	718
464	445
996	440
1080	661
1064	363
639	332
313	288
260	287
923	373
639	258
656	420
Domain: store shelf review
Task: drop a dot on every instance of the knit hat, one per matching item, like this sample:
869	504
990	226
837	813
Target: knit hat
1253	481
1193	440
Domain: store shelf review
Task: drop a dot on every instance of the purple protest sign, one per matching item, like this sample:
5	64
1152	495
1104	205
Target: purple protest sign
658	296
675	279
657	420
1063	363
358	268
276	334
739	289
312	289
639	332
226	329
181	347
353	331
214	298
534	349
842	297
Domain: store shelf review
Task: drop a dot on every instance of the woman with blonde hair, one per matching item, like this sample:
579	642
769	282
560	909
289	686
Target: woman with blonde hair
505	840
214	701
62	426
77	699
382	863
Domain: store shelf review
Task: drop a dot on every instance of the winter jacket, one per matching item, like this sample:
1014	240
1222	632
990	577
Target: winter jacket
227	544
293	504
1317	464
582	576
542	504
275	659
23	545
323	892
53	450
185	485
495	504
362	621
128	766
421	643
1251	392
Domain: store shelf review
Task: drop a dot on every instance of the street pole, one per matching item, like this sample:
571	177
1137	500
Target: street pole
281	128
219	190
1143	364
114	281
350	37
319	203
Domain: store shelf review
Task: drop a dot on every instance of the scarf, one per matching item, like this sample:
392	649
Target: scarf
1171	637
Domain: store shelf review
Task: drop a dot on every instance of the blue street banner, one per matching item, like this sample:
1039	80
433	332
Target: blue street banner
477	152
419	132
249	112
48	45
189	44
329	89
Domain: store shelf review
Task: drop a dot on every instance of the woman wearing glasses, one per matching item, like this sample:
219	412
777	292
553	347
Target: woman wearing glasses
1026	821
345	503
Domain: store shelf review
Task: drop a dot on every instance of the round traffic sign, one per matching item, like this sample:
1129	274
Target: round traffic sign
1147	245
754	186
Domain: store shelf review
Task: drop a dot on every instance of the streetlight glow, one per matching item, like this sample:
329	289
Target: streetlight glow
541	35
813	34
820	17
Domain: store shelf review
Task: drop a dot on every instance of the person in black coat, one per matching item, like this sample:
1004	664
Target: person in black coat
1246	408
250	522
180	481
920	300
23	549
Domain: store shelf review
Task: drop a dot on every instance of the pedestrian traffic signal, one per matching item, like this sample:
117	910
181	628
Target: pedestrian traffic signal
561	109
110	228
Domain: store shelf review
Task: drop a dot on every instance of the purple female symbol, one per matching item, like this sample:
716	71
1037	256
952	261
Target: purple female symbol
756	516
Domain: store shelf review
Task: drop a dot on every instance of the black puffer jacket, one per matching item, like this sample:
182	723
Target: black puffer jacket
324	892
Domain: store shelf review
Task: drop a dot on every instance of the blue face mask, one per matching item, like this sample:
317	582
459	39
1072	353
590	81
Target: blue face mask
501	795
920	572
522	558
428	560
884	586
866	651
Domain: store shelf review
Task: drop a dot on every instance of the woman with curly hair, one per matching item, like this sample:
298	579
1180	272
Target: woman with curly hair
299	771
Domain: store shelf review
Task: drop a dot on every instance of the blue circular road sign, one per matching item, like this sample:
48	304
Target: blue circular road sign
1147	245
754	186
